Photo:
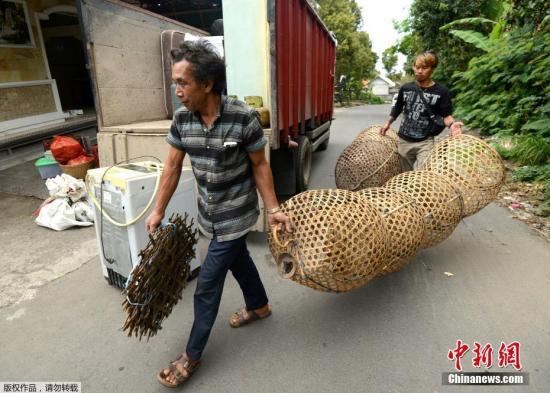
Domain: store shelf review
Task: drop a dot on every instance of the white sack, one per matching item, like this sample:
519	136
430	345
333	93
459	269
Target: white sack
59	215
65	185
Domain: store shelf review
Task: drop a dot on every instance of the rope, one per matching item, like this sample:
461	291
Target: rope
373	173
99	205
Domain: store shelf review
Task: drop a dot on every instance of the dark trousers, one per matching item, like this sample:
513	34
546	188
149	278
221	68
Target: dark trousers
222	256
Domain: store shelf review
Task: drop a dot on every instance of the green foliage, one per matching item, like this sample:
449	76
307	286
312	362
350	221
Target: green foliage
473	37
422	32
389	58
532	173
354	55
467	21
368	98
529	13
506	92
504	152
531	150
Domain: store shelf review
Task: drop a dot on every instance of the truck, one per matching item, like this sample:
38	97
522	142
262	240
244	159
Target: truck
278	52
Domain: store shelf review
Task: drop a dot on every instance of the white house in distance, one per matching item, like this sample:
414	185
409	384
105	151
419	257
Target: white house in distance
381	87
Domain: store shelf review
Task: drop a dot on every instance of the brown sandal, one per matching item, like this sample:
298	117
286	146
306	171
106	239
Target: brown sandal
252	316
173	370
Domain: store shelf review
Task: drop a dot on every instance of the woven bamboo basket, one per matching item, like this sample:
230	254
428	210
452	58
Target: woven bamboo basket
77	171
338	243
367	162
472	165
436	196
404	222
373	133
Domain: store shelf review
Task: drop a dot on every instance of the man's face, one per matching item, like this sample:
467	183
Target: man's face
191	93
422	71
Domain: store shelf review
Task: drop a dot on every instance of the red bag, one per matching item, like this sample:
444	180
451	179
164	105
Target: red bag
80	160
65	148
95	150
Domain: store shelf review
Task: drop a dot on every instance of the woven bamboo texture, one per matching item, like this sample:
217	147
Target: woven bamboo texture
472	166
369	161
338	243
373	133
436	196
156	284
333	229
404	222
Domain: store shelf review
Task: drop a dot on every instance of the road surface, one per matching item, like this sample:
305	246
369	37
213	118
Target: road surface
391	336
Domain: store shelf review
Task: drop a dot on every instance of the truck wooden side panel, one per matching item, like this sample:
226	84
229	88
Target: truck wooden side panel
304	64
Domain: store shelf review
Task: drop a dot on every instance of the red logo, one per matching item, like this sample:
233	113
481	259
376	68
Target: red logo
457	353
483	355
508	355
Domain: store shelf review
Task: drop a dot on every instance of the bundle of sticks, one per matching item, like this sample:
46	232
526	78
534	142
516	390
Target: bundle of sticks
156	284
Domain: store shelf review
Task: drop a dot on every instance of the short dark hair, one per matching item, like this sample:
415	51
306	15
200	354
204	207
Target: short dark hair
206	63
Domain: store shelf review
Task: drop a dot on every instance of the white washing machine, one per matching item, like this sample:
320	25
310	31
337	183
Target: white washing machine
126	191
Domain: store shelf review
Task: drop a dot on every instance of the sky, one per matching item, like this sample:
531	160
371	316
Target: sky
378	19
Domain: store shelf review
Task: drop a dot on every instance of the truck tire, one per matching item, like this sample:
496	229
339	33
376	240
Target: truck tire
304	157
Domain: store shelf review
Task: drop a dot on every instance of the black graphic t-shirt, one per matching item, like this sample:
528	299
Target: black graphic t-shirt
416	119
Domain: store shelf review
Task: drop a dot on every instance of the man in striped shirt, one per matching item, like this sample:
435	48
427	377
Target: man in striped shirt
225	143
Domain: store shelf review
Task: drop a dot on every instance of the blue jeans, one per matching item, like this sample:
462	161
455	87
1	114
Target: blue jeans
222	256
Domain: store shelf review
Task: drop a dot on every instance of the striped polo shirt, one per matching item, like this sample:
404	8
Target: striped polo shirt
228	202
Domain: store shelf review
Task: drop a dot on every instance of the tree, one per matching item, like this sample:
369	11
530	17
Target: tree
354	55
389	58
389	61
422	29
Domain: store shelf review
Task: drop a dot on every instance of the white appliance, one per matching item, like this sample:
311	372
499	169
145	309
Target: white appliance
126	191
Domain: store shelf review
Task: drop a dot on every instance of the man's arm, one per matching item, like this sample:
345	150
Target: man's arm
395	112
168	183
264	181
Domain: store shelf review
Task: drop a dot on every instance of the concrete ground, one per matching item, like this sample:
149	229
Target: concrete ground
392	335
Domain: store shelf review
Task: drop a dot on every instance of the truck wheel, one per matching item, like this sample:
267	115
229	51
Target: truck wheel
304	154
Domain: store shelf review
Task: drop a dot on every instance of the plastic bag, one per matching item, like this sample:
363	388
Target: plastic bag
80	160
59	215
65	185
65	148
83	211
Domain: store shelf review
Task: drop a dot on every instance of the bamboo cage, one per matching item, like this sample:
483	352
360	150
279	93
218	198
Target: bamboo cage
338	243
472	165
369	161
404	222
440	202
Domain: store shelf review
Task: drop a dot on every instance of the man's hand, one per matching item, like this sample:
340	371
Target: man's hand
384	128
456	128
280	220
153	221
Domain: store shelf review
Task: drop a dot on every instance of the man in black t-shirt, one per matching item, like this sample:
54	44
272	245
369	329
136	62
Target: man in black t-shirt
416	134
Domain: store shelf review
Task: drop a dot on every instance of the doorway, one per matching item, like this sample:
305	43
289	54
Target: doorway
66	59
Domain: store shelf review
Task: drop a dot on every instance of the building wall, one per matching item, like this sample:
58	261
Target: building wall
379	87
25	65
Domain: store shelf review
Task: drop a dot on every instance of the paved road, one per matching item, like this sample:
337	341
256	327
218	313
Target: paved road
391	336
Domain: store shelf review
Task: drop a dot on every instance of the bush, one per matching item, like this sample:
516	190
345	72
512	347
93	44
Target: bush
531	150
532	173
505	93
367	97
